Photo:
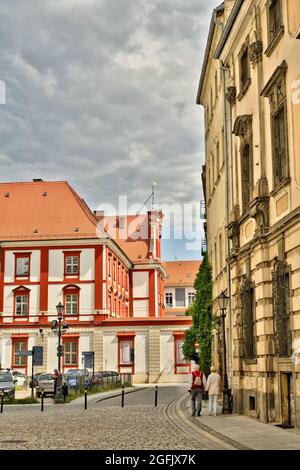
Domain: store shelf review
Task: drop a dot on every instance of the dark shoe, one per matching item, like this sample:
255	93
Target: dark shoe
193	414
199	414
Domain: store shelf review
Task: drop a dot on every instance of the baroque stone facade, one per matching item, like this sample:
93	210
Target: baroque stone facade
253	200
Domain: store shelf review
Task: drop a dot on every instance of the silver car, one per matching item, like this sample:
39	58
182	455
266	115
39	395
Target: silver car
45	384
7	384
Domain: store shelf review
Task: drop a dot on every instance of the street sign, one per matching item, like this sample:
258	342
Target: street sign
24	353
88	357
37	355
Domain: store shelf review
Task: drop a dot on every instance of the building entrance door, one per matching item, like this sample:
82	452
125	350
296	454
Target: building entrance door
287	400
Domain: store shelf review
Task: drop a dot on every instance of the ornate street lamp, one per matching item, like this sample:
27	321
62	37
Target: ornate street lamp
223	303
59	328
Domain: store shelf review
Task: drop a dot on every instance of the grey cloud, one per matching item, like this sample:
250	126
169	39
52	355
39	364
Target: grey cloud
102	93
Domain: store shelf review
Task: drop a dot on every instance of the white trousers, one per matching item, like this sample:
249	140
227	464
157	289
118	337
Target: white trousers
212	404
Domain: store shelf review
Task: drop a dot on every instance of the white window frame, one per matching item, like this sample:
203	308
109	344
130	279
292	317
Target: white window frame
69	355
191	295
168	304
21	269
127	343
23	303
73	303
72	262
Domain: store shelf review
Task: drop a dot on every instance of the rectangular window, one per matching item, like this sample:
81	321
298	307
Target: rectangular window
179	353
70	353
22	266
72	264
114	271
22	302
19	346
244	70
274	18
72	301
109	304
280	154
169	299
126	352
180	297
191	297
109	266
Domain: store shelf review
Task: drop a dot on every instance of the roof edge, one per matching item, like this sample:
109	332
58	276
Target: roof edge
227	30
207	51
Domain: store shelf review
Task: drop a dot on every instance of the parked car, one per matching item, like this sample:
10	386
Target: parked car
46	384
7	383
19	377
106	377
35	380
73	375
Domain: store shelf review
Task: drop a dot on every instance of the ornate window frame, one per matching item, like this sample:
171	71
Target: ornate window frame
281	309
273	39
275	91
243	130
248	320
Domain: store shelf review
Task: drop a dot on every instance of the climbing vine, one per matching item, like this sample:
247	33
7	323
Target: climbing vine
201	312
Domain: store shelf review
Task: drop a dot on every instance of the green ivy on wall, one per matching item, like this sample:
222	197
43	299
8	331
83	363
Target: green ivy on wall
201	312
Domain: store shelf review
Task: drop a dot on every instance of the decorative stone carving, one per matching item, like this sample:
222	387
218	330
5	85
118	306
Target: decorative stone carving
255	52
233	231
243	127
231	94
260	211
260	207
275	89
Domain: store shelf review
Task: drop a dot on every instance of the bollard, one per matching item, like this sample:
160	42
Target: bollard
85	399
42	401
2	400
123	393
156	391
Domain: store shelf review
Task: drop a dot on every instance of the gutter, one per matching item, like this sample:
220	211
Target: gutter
228	27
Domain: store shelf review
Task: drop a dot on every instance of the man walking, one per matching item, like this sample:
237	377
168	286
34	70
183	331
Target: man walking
197	385
213	386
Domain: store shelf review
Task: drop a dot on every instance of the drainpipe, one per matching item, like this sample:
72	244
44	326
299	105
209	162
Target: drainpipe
228	204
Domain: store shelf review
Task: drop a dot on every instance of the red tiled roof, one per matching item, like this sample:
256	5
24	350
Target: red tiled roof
181	273
43	210
131	233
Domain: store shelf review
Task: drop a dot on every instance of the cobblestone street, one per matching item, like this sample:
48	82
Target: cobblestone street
138	426
105	425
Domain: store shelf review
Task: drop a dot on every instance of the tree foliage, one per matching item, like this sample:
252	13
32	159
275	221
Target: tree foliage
201	312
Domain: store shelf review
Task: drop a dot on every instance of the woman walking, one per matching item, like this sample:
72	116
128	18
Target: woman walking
213	387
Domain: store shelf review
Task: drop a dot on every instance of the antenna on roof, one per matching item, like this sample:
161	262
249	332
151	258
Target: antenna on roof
152	197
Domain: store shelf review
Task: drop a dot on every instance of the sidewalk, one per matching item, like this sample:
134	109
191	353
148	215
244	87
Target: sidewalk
242	432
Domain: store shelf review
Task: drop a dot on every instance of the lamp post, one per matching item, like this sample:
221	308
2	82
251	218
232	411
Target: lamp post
59	328
226	409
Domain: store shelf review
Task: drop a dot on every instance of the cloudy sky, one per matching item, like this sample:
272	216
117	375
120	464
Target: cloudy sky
102	93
